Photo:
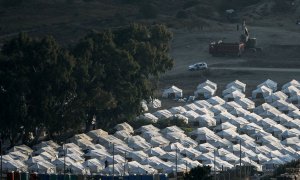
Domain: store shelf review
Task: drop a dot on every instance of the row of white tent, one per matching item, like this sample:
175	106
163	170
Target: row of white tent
155	150
236	89
269	135
288	100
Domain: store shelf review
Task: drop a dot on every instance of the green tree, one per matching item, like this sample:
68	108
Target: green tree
123	63
36	87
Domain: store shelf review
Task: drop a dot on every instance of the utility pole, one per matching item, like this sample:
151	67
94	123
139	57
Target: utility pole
1	157
64	161
185	166
124	162
113	161
215	164
176	161
240	159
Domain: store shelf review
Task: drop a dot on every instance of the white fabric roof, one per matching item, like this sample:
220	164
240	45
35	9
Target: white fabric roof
238	84
208	83
270	84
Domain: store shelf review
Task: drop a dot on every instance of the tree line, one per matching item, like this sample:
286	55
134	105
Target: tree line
45	87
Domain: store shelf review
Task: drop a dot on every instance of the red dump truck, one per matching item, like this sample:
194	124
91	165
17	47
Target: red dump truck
221	48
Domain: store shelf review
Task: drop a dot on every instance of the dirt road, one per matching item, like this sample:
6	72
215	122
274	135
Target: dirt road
257	69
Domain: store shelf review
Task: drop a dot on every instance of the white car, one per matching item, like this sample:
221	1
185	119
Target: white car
198	66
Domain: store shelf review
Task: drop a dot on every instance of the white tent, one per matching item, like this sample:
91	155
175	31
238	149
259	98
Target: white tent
202	130
122	134
217	109
177	110
97	154
154	103
291	91
272	164
237	84
153	161
124	126
229	106
203	104
14	165
93	165
191	153
118	169
284	106
134	167
172	92
144	106
291	141
175	136
234	95
148	117
61	163
293	124
159	141
205	147
22	148
42	167
282	118
191	115
270	84
94	134
226	125
224	117
263	108
17	155
245	103
294	114
276	96
290	133
239	122
138	143
252	117
171	129
204	111
191	107
216	100
266	123
150	134
228	134
109	140
163	114
204	92
295	100
148	127
137	155
276	130
206	121
156	151
271	113
188	142
250	128
119	149
291	83
212	85
261	92
239	112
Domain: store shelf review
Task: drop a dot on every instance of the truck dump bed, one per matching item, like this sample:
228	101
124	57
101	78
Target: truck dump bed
221	48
